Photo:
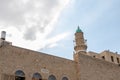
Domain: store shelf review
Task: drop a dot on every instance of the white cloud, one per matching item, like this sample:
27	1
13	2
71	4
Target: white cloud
52	42
29	22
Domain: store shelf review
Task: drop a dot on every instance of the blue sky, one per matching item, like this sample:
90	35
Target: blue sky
100	22
49	26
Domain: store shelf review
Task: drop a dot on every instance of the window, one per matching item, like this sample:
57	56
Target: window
118	60
64	78
94	56
19	75
51	77
103	57
112	59
36	76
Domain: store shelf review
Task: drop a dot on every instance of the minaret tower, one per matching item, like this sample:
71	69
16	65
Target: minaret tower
79	49
80	43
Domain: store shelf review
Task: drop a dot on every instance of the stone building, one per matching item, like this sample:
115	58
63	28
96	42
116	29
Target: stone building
22	64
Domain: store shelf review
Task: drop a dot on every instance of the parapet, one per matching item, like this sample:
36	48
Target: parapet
106	55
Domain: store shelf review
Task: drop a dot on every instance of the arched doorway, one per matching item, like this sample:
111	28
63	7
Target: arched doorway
64	78
19	75
51	77
37	76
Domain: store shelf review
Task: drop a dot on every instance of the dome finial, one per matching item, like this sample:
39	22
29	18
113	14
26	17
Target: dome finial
78	30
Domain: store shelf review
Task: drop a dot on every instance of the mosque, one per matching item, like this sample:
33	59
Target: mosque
17	63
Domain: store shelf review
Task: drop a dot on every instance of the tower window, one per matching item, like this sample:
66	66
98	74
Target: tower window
103	57
118	60
112	59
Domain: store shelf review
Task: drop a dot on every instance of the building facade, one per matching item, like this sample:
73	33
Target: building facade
22	64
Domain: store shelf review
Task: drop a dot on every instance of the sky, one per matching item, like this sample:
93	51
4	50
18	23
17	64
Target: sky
49	26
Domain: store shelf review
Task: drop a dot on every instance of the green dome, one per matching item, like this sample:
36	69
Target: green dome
78	30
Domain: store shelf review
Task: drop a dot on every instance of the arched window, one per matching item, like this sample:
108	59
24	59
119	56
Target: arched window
19	75
64	78
51	77
36	76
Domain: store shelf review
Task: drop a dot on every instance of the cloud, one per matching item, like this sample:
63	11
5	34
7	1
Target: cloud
37	13
32	20
54	41
30	31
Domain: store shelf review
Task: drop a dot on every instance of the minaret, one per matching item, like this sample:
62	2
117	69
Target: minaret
80	43
80	49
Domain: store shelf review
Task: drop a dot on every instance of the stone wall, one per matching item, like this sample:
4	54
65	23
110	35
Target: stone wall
96	69
13	58
88	68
